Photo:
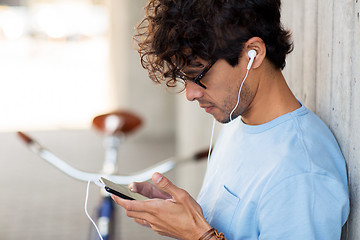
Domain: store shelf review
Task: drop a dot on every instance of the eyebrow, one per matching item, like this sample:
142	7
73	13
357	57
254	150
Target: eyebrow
190	72
195	68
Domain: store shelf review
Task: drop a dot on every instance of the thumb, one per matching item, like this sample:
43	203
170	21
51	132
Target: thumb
165	184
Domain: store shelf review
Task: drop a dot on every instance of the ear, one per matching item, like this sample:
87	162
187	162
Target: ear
259	46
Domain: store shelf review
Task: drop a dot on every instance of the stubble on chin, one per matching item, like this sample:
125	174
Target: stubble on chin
246	97
222	117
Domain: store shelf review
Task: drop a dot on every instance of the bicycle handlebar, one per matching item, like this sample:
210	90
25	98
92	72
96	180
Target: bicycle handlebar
85	176
144	175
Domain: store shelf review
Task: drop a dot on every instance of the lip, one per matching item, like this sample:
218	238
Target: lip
207	108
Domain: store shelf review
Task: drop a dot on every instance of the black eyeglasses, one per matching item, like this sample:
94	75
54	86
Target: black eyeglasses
200	76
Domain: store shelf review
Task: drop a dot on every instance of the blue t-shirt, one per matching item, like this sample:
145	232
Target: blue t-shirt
285	179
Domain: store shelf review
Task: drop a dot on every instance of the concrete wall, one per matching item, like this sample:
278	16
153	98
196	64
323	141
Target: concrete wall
324	72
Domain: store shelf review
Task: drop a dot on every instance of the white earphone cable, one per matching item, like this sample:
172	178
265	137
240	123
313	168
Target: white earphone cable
238	99
237	104
86	211
211	139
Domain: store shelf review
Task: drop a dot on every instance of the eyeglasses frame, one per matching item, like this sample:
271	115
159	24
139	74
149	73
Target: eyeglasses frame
200	76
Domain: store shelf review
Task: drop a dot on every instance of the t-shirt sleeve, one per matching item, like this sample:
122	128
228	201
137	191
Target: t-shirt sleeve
305	206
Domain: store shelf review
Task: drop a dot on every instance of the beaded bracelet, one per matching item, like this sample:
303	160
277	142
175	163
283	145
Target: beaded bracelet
212	232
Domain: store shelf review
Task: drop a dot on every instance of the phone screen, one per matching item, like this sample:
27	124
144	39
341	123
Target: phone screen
121	191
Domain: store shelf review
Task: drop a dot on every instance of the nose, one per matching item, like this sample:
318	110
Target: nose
193	91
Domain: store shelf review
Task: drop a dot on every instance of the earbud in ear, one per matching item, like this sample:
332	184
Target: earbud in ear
252	55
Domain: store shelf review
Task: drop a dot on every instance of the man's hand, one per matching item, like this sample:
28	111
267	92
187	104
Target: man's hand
172	211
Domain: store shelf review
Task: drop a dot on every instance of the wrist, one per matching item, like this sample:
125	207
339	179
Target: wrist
201	231
212	234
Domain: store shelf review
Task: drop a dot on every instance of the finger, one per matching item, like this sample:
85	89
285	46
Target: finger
167	186
142	222
147	189
129	205
146	206
140	215
120	201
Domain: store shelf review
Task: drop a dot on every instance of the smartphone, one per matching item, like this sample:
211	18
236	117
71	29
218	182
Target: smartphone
121	191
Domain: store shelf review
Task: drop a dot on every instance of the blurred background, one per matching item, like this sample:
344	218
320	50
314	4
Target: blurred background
64	62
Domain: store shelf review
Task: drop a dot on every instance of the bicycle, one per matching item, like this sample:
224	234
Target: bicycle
114	126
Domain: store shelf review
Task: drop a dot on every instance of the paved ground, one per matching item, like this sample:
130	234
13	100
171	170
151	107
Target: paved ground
39	202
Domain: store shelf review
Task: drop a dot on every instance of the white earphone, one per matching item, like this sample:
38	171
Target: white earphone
252	54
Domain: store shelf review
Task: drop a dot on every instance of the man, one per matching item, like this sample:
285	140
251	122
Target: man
276	171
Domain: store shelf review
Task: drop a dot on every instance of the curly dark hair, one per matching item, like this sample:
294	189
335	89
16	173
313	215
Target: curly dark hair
174	32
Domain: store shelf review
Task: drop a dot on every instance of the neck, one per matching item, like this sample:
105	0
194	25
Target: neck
272	97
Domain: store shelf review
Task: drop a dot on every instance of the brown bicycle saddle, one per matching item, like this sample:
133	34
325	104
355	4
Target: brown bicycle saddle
117	123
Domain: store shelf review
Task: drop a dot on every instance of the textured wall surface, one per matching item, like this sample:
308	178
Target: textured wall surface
324	72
